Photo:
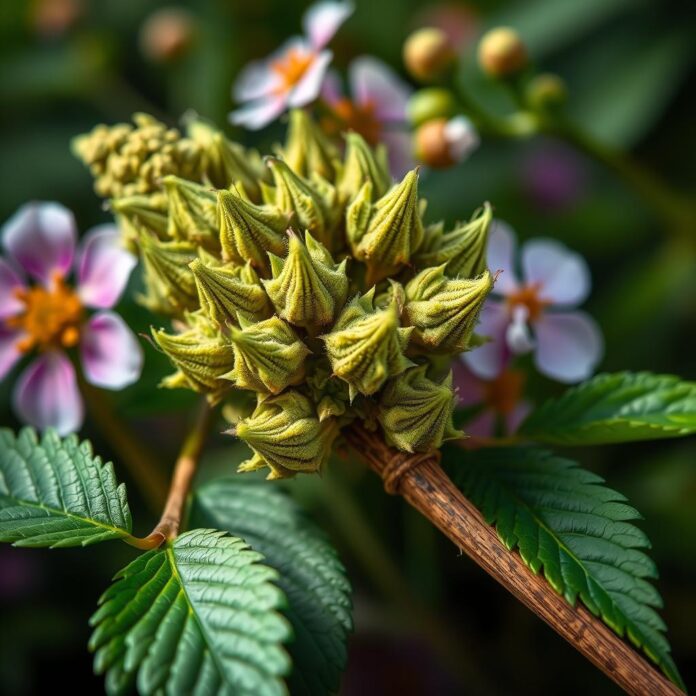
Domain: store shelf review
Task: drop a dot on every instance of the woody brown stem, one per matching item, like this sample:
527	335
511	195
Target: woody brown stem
424	485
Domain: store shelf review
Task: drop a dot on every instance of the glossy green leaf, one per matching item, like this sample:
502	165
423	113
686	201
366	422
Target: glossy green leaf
621	407
310	574
566	523
199	616
55	493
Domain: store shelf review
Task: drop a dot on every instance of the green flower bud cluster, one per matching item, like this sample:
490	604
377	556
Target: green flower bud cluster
309	281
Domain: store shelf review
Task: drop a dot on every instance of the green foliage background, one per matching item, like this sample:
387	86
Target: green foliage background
629	66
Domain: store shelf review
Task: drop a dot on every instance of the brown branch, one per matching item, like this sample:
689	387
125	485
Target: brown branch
423	483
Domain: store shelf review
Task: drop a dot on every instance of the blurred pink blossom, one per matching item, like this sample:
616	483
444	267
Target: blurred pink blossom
553	177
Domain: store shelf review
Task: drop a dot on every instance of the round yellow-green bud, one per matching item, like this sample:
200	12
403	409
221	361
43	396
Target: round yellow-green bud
429	103
546	91
502	53
428	54
442	142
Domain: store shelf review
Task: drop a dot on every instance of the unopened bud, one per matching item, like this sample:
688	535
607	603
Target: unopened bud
192	213
307	150
441	143
429	103
502	53
546	91
167	34
363	164
428	54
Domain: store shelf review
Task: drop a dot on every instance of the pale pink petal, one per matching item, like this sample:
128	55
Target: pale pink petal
259	113
482	425
514	419
255	81
309	86
111	355
569	345
561	274
104	267
40	237
517	335
400	151
10	282
375	83
501	257
470	389
323	19
46	394
462	137
9	354
487	361
331	90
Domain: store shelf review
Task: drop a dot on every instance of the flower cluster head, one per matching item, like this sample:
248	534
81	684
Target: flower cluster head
306	290
42	313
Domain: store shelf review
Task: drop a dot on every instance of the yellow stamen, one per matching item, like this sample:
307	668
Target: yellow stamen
361	118
528	296
292	67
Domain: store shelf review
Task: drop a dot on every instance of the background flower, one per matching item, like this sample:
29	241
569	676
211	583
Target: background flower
49	316
532	313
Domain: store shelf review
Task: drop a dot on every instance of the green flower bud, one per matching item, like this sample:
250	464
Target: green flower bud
136	214
546	92
286	436
192	212
394	232
307	150
226	291
463	249
307	288
268	356
502	53
443	310
171	287
248	231
310	207
362	164
429	103
358	214
202	358
366	345
416	413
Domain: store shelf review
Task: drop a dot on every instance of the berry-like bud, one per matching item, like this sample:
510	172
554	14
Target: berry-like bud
546	91
363	164
329	392
441	143
502	53
307	288
366	345
429	103
268	356
463	249
307	150
248	231
192	212
394	231
286	436
444	311
428	54
227	291
416	413
167	34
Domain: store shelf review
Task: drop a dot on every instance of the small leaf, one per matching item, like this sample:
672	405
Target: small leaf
196	617
318	592
57	493
579	532
620	407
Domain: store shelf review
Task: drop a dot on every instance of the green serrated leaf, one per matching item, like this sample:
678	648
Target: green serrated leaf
312	577
565	523
57	493
196	617
620	407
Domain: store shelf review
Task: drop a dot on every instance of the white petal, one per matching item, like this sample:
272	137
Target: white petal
10	282
462	137
309	86
562	275
374	82
255	81
569	345
260	113
323	19
518	335
487	361
501	257
9	354
111	355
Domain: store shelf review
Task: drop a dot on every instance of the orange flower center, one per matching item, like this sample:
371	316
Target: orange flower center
51	317
504	392
292	66
357	117
528	296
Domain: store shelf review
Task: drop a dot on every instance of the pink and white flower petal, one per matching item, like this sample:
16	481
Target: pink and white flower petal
482	425
470	389
562	275
46	394
309	86
569	346
332	89
487	361
255	81
111	355
40	237
372	82
104	267
462	137
9	353
323	19
10	282
517	335
400	152
501	257
260	113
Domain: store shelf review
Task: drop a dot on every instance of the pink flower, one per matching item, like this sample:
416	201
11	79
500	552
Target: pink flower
536	314
294	74
377	109
49	315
